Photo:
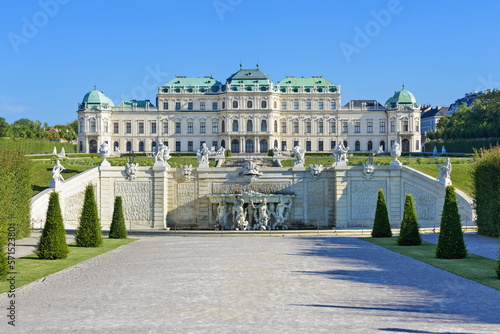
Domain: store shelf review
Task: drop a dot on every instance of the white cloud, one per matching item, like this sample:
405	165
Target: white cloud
9	106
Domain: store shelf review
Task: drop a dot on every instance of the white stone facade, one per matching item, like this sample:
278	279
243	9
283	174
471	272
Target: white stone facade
248	116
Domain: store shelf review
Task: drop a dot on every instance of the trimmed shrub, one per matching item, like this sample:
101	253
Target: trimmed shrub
381	225
451	244
118	229
486	179
227	153
409	234
497	268
88	233
52	244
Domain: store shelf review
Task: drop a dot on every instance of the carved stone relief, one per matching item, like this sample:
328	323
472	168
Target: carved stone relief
137	200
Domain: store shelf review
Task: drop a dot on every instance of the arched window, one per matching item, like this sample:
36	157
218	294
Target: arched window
345	143
382	145
275	105
223	143
235	126
263	104
129	146
370	145
235	146
235	104
276	126
223	104
357	146
263	146
263	126
116	146
249	125
153	146
141	146
223	125
405	145
93	146
276	143
249	146
249	104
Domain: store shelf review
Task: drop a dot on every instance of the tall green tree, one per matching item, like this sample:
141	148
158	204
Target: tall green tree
88	233
451	244
118	229
52	244
486	181
409	234
381	224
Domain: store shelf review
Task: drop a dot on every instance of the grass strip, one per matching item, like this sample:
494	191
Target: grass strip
30	268
474	267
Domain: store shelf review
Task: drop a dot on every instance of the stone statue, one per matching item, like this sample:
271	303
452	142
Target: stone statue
56	172
131	170
281	214
340	155
396	153
444	172
380	149
276	152
62	154
54	151
203	156
368	170
299	156
186	171
162	155
261	215
220	152
435	151
239	215
104	153
443	150
316	171
222	215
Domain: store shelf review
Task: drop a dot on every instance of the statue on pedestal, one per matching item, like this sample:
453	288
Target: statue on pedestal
396	153
444	172
340	155
202	155
299	156
261	215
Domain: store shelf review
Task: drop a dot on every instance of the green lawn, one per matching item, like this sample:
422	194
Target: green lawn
474	267
30	268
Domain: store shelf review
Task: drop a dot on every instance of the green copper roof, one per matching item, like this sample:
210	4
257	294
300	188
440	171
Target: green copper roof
402	97
95	97
185	82
138	104
314	81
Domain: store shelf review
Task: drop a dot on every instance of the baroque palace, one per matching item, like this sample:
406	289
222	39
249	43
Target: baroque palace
249	114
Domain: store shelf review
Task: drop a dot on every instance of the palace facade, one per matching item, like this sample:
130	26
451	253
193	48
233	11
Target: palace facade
249	114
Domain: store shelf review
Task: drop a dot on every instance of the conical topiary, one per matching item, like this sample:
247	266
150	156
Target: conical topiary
118	229
52	244
88	233
409	234
451	244
381	225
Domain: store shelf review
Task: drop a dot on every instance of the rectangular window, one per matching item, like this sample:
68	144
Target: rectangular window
296	105
295	143
214	105
177	127
320	105
190	127
320	145
308	105
81	129
382	127
214	143
417	129
283	145
165	105
141	127
106	127
215	127
308	146
320	127
177	146
308	127
202	127
393	126
92	126
283	105
190	105
283	127
369	127
190	146
333	126
357	127
177	106
392	143
406	127
333	143
345	127
165	127
116	128
202	105
333	105
295	127
417	145
128	127
153	127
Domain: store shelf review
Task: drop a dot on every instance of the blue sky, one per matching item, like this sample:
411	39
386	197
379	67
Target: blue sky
52	52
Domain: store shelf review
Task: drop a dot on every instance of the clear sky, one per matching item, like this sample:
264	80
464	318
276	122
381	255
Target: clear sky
52	52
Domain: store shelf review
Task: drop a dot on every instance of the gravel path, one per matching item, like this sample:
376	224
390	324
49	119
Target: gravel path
249	284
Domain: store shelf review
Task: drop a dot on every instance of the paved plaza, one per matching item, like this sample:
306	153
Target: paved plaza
254	284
